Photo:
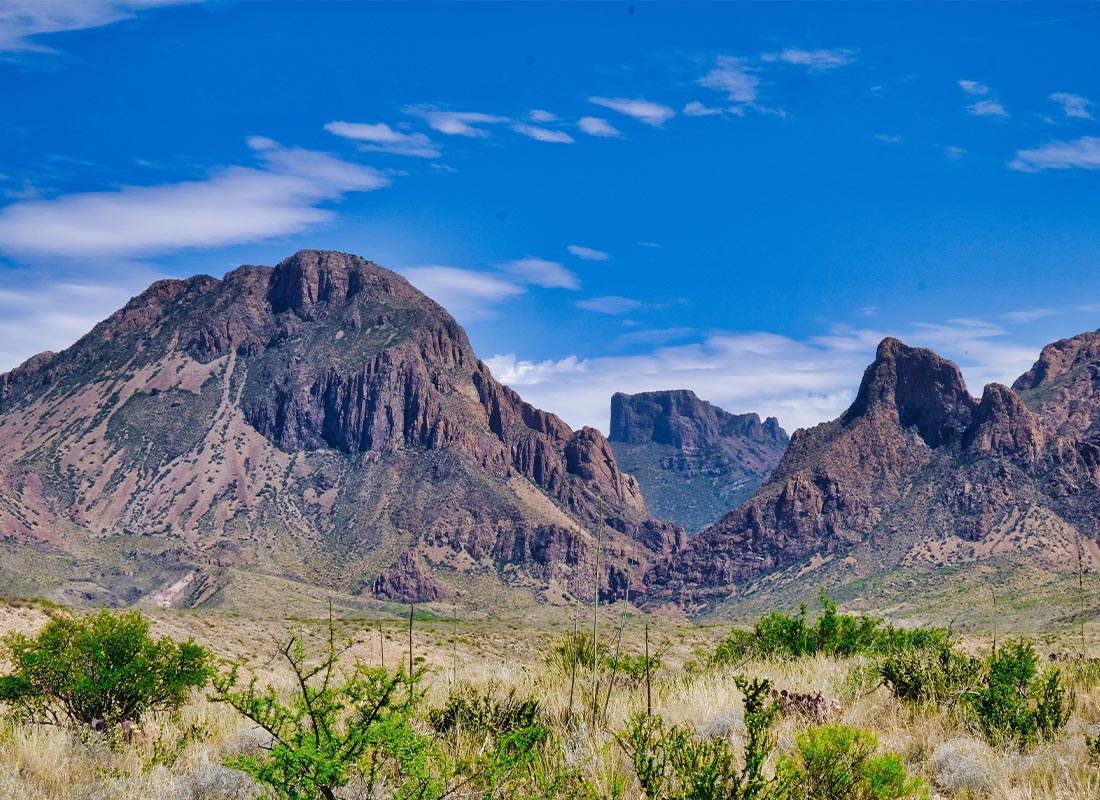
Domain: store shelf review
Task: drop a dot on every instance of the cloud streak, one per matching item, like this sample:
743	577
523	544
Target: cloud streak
540	272
1083	153
653	114
466	294
380	137
540	134
588	253
22	20
595	126
234	205
455	123
1073	106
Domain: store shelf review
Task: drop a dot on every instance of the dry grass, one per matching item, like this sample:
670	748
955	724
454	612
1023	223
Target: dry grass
53	764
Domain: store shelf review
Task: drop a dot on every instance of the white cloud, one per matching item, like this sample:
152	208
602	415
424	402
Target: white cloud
649	244
814	59
381	138
542	134
609	305
889	138
466	294
50	314
733	77
20	20
540	272
541	115
1073	105
455	123
1029	315
954	152
988	108
1083	153
588	253
802	382
697	109
594	126
645	111
234	205
974	88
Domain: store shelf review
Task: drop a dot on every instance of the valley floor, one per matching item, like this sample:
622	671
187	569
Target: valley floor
181	758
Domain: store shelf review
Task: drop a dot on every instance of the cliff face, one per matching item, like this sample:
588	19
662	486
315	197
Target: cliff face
321	420
915	472
693	460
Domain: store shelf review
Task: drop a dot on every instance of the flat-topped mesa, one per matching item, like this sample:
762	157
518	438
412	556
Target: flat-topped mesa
678	418
922	389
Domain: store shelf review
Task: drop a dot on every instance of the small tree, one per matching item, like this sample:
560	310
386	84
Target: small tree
102	667
334	726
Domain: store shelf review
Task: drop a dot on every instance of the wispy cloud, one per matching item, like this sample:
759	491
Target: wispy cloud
954	152
974	87
22	20
455	123
814	59
466	294
733	76
540	272
540	134
542	115
645	111
890	138
1073	105
1029	314
234	205
697	109
595	126
588	253
802	382
1083	153
988	108
609	305
45	313
380	137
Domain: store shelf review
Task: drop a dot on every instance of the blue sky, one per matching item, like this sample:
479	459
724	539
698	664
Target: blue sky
737	199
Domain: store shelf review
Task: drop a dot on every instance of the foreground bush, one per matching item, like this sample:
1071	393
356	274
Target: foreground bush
673	764
334	727
104	667
1005	695
836	762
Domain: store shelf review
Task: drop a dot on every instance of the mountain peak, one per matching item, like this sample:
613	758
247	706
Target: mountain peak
923	389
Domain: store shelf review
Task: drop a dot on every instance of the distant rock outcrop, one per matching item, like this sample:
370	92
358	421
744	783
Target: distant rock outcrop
322	420
917	471
693	460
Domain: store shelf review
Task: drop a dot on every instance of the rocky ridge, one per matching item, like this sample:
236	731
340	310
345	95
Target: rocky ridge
915	472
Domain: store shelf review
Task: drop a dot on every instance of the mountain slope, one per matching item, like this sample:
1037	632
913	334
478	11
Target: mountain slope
321	420
693	460
915	473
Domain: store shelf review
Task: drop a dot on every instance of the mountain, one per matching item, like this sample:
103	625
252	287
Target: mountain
916	474
321	421
693	460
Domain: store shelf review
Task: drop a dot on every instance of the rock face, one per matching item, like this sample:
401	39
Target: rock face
321	420
917	471
693	460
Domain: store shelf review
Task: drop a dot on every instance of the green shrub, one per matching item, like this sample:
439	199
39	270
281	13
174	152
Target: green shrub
103	667
836	762
779	635
673	764
1017	702
938	676
1004	695
335	726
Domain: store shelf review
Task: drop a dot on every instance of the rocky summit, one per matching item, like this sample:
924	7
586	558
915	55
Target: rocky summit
321	421
693	460
917	472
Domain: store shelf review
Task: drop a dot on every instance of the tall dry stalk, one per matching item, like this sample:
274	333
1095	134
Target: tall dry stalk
595	609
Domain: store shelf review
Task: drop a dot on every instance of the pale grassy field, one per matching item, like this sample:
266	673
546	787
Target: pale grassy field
181	758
